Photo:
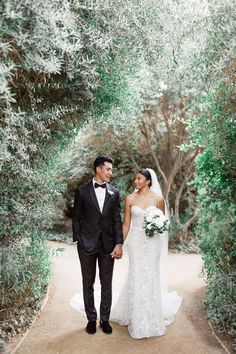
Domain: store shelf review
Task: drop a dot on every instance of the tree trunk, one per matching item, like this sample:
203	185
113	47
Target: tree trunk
189	173
188	224
177	200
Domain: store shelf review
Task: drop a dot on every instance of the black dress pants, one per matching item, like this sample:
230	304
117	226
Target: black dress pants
88	267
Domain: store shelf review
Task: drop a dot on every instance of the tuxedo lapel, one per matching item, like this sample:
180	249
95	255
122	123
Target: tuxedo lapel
93	196
107	199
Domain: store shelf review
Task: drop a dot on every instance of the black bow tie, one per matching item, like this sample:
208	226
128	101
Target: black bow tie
96	185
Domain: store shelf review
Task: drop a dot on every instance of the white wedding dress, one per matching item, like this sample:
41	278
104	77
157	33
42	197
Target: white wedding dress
143	305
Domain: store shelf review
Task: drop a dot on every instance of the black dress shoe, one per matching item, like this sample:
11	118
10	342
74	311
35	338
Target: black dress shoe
106	327
91	327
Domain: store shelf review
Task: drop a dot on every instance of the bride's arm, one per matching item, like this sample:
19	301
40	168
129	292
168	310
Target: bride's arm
161	204
127	218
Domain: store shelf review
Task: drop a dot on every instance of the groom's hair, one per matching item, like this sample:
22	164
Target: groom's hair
147	174
100	160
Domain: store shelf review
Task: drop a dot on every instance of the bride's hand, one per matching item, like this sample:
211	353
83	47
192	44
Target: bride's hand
117	252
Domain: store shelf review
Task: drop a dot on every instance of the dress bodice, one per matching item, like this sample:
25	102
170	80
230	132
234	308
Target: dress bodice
137	216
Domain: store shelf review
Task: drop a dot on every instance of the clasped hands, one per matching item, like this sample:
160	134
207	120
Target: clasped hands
117	252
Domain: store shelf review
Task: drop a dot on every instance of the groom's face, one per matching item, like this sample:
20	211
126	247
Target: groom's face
104	172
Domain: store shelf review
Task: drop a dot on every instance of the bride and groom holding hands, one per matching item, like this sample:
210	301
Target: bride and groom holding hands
144	304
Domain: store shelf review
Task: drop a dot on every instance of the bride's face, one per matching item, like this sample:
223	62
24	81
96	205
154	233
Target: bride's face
140	181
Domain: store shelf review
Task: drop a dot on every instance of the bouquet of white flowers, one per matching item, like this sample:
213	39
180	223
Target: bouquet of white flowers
155	221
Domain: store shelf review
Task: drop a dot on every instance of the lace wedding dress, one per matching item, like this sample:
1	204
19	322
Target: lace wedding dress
142	305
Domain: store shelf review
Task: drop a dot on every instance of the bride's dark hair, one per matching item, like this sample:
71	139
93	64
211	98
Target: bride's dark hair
146	173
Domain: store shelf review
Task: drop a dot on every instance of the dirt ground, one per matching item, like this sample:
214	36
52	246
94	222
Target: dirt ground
61	330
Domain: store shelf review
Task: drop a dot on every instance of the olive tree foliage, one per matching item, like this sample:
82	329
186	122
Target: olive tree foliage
49	52
197	41
49	70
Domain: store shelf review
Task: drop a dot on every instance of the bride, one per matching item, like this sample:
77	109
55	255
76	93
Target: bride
144	305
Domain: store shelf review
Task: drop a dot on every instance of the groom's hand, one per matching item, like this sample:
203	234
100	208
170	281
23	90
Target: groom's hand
117	252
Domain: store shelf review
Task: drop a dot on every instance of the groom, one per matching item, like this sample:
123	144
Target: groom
97	230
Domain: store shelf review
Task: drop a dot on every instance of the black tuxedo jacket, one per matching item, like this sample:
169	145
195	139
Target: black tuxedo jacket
89	223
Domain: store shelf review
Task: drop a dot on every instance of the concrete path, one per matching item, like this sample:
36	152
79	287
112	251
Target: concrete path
61	330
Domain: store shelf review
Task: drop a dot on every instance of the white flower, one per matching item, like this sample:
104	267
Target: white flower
148	218
110	192
159	212
163	217
160	223
149	226
153	212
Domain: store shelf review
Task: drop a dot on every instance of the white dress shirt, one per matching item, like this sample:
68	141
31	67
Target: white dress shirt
100	194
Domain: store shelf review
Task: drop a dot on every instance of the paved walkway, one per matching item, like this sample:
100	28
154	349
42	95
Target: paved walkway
61	330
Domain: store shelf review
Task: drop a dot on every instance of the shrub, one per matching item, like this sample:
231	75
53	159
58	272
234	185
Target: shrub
216	185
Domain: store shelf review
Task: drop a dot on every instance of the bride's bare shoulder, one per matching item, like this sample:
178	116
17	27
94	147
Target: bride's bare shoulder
130	198
159	200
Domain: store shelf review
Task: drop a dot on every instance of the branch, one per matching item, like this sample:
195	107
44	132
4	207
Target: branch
184	182
166	120
189	223
177	165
